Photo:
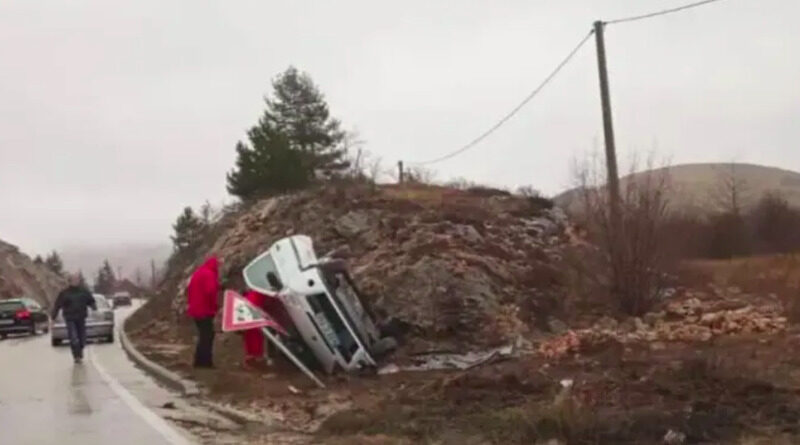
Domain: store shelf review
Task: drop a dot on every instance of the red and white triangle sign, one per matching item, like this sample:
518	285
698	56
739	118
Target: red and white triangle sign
238	314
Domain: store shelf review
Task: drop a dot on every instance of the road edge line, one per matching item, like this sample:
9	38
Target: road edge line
149	416
186	387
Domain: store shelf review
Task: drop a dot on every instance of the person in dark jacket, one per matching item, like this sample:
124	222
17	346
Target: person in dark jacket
73	303
201	296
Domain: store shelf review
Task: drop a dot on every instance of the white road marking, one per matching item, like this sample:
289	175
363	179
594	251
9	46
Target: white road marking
154	420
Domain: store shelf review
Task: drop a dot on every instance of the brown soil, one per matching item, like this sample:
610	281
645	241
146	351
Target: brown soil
730	378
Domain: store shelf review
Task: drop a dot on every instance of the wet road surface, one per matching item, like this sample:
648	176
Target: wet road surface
47	399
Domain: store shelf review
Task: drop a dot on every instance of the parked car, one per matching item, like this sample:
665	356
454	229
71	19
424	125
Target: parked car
99	323
22	315
122	298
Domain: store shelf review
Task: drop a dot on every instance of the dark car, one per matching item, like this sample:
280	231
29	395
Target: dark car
121	299
22	316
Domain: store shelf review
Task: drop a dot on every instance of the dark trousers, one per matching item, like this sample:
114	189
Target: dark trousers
203	354
76	330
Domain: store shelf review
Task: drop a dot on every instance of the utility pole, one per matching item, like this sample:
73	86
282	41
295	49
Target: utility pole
615	230
400	171
608	129
152	274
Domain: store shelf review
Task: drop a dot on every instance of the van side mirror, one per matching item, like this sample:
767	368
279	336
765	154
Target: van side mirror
274	281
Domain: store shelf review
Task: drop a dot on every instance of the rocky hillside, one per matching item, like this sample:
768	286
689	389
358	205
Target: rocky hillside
19	277
455	267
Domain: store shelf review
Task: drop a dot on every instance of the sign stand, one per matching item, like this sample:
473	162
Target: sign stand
238	314
271	337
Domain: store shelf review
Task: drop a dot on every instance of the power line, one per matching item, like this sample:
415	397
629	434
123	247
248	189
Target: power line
658	13
516	109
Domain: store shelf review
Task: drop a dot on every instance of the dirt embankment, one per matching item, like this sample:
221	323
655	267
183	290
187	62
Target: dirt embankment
21	277
709	364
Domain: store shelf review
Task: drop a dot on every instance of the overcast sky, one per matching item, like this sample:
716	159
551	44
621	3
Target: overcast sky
114	115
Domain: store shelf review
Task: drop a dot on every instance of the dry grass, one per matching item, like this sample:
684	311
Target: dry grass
782	439
777	275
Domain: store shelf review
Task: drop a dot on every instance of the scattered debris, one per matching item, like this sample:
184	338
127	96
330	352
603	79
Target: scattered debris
168	405
674	438
294	390
438	361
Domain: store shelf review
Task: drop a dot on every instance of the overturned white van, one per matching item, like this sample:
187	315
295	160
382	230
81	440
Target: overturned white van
322	302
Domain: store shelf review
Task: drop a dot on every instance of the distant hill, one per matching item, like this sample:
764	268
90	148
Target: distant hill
695	186
21	277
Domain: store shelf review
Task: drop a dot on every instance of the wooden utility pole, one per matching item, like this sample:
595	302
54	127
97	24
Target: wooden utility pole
616	251
400	172
152	274
608	131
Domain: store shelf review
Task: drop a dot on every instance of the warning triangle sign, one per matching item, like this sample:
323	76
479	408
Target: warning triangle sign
238	314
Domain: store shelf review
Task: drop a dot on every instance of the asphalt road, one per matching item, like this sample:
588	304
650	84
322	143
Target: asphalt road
47	399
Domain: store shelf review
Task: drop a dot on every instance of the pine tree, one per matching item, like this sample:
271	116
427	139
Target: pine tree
188	230
299	111
294	141
54	263
38	260
82	279
105	280
268	166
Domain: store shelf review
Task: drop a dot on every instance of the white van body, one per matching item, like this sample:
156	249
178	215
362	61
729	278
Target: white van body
322	301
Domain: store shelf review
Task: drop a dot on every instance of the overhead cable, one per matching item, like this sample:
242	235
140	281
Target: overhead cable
659	13
514	111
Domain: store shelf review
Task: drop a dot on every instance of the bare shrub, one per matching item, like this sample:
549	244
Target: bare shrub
460	184
634	252
528	191
419	175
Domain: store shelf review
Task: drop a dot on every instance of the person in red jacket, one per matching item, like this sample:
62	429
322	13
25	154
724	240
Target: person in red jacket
201	296
255	347
253	338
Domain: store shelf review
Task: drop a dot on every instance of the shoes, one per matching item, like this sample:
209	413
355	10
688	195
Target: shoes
78	360
254	364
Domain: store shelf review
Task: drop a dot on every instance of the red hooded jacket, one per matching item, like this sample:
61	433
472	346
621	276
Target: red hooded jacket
203	289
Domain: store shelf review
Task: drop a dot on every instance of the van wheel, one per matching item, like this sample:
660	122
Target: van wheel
55	342
110	338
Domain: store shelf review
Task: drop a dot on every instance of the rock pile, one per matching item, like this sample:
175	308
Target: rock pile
455	266
690	319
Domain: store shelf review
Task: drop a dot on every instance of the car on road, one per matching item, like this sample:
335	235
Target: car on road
99	323
121	299
22	315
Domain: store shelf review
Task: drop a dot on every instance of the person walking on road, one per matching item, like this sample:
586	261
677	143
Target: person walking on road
73	303
202	306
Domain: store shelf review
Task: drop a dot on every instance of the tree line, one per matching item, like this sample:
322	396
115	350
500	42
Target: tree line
105	281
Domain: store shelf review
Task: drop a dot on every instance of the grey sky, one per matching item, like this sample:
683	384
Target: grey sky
114	115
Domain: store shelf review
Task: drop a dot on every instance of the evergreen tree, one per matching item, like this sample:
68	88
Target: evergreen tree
295	140
105	280
54	263
268	166
188	230
82	279
38	260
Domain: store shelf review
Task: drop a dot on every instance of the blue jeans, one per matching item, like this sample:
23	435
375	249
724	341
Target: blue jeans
76	329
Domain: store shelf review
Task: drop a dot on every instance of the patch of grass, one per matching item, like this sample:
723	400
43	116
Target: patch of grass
442	423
